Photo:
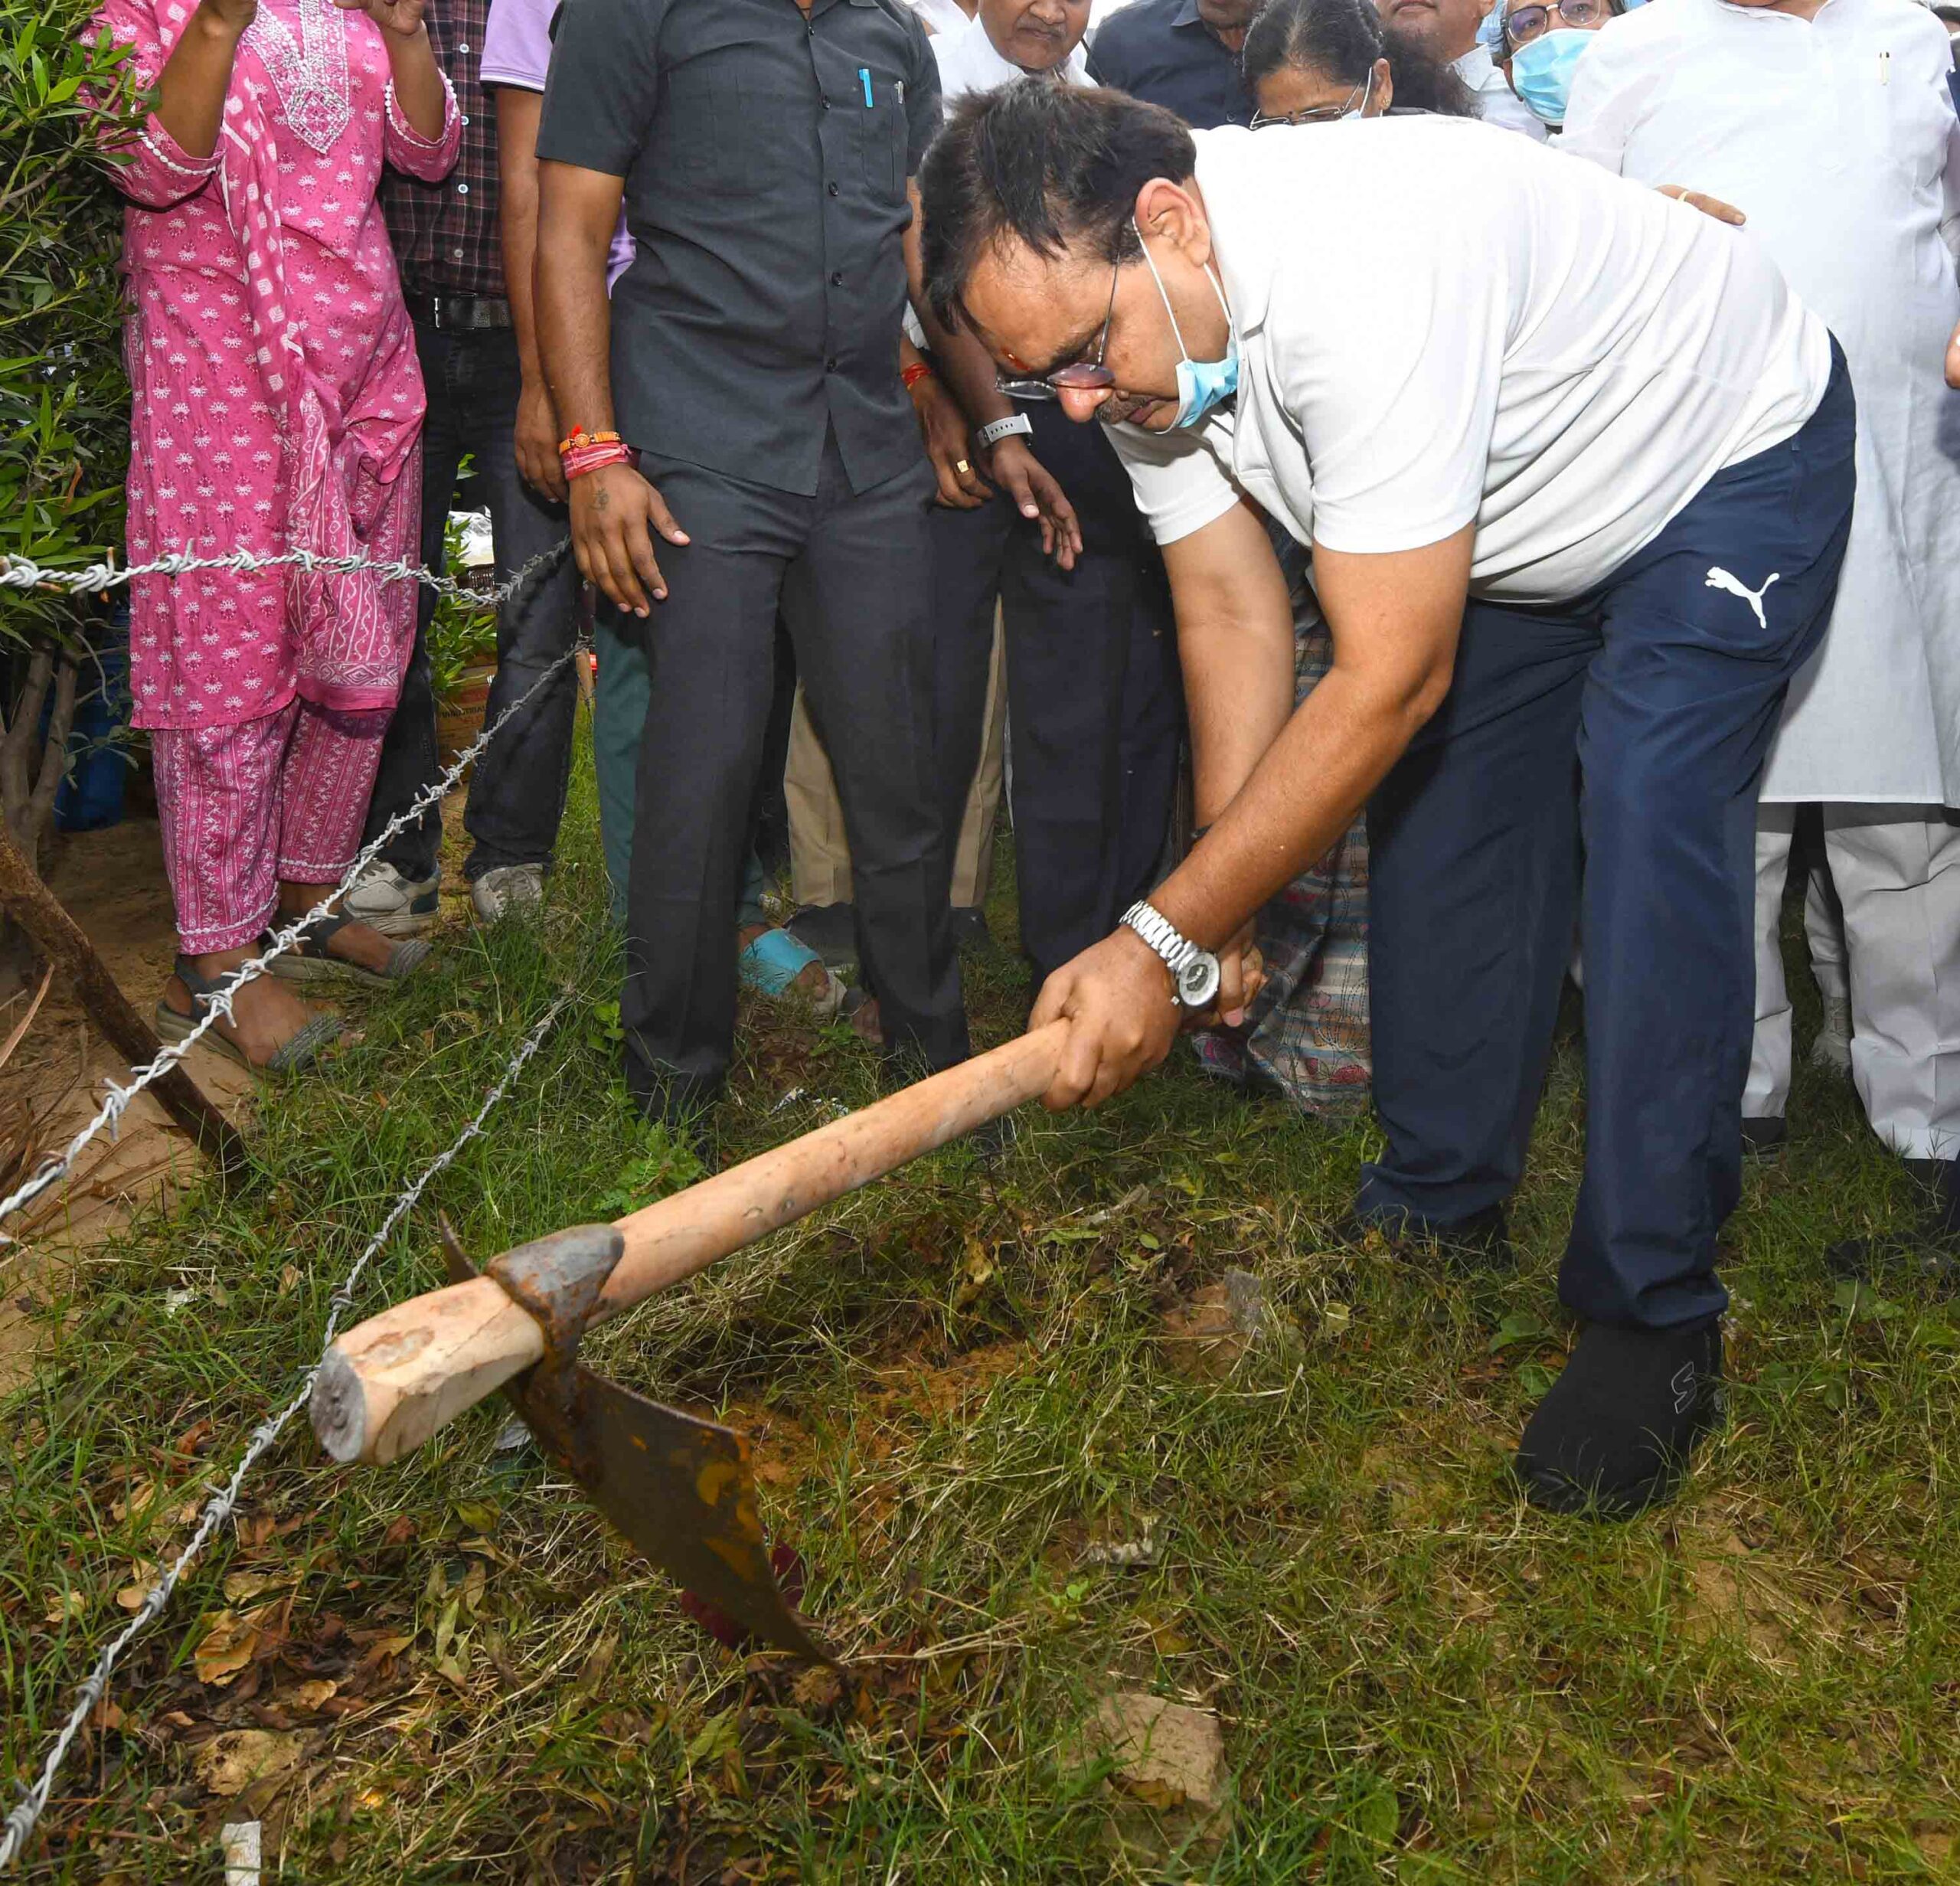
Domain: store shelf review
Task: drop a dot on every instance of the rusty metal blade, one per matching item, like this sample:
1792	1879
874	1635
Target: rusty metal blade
681	1488
683	1491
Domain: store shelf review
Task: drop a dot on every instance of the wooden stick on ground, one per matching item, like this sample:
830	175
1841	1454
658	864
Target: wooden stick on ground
61	939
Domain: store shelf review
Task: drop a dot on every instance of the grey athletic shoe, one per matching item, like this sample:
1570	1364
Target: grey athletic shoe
506	888
395	905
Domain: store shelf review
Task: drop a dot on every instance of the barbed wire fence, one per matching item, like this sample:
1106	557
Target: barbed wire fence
19	574
22	1820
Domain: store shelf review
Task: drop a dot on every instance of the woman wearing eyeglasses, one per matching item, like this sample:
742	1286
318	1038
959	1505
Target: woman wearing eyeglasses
1537	45
1316	61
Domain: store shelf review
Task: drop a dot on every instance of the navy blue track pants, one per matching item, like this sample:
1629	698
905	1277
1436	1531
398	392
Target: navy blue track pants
1629	726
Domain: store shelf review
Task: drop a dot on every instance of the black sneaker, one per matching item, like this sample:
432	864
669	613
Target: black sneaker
1613	1434
1930	1250
1763	1136
830	930
1480	1242
969	929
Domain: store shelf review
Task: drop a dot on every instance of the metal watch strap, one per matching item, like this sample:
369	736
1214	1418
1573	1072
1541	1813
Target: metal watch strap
996	430
1176	950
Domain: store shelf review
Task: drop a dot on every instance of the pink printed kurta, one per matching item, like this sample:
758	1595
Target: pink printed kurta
277	399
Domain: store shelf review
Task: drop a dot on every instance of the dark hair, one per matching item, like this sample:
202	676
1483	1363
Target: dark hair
1054	166
1341	40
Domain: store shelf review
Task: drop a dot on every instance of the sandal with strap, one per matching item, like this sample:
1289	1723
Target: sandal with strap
773	962
301	1051
310	960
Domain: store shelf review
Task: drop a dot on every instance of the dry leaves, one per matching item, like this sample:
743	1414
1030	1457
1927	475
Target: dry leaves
229	1764
225	1648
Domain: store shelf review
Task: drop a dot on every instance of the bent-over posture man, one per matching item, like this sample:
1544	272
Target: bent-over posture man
1576	473
764	151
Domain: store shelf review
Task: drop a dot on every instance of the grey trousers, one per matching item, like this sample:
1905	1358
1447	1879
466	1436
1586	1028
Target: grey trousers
851	571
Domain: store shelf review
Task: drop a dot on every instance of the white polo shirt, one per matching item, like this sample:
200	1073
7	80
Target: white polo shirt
1441	323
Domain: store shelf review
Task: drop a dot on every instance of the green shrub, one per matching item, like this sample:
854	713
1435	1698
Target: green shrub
64	404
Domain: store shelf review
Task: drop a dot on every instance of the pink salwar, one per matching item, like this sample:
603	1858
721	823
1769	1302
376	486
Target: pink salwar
277	405
244	806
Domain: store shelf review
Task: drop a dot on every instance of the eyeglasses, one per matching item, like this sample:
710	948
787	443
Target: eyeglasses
1523	24
1079	376
1357	100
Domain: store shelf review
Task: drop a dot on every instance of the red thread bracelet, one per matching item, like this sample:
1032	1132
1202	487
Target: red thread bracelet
912	374
593	456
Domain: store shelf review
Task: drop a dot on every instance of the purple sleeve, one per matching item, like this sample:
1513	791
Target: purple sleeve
516	44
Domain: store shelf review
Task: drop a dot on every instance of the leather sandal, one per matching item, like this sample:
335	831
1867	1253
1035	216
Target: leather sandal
301	1051
310	960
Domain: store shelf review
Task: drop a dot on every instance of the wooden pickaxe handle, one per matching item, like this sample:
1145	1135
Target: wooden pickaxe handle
388	1385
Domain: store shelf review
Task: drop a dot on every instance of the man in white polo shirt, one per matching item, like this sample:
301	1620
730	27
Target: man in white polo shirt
1576	472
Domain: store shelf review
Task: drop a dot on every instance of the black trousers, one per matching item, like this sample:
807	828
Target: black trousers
850	572
1093	695
517	790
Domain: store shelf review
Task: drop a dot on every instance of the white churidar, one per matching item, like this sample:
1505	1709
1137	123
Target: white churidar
1896	869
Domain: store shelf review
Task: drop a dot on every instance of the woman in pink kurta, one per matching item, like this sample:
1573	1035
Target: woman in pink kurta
277	407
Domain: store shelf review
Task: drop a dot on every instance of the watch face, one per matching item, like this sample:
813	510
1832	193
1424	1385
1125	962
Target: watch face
1199	983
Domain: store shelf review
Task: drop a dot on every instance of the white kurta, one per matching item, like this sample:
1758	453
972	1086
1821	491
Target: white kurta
1836	138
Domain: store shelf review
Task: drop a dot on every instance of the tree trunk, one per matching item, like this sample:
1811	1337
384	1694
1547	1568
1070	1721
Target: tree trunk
30	768
61	939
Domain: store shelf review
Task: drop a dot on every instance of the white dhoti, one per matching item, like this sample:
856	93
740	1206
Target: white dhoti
1897	872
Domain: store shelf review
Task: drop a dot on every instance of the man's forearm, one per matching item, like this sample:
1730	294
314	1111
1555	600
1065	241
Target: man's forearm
516	177
965	366
575	326
1303	794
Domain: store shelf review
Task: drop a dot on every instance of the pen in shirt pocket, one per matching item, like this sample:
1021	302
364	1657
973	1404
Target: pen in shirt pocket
865	76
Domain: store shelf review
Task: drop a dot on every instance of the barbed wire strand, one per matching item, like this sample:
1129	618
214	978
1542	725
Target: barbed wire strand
217	1006
20	1822
21	573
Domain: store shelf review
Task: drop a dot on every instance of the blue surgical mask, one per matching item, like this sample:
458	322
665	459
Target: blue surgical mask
1541	72
1202	384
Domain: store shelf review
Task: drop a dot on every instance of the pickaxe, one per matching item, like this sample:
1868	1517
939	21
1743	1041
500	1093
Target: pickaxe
681	1488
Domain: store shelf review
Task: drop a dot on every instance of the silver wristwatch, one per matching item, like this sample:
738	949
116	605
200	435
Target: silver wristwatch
1194	971
996	430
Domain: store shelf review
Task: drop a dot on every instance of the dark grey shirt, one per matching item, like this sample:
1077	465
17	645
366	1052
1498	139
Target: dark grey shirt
1161	52
765	156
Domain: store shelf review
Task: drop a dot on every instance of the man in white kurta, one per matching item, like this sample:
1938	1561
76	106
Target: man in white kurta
1831	128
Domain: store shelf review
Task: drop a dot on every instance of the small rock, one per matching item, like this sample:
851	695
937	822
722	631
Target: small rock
1167	1754
1206	1337
240	1840
1122	1553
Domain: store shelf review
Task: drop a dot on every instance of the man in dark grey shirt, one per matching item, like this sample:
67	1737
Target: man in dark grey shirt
764	151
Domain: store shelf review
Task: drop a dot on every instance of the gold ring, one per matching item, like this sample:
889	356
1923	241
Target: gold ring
961	467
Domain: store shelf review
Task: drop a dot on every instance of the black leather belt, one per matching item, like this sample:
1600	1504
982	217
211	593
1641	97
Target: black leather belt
459	314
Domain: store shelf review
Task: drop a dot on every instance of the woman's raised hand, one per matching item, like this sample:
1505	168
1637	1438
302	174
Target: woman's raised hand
402	17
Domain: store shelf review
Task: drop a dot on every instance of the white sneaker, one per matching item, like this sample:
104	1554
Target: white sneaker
1832	1048
508	888
395	905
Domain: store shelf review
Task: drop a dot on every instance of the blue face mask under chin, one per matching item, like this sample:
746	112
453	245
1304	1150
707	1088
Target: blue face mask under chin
1541	71
1202	384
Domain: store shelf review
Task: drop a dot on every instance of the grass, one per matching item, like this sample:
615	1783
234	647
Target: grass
957	1381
